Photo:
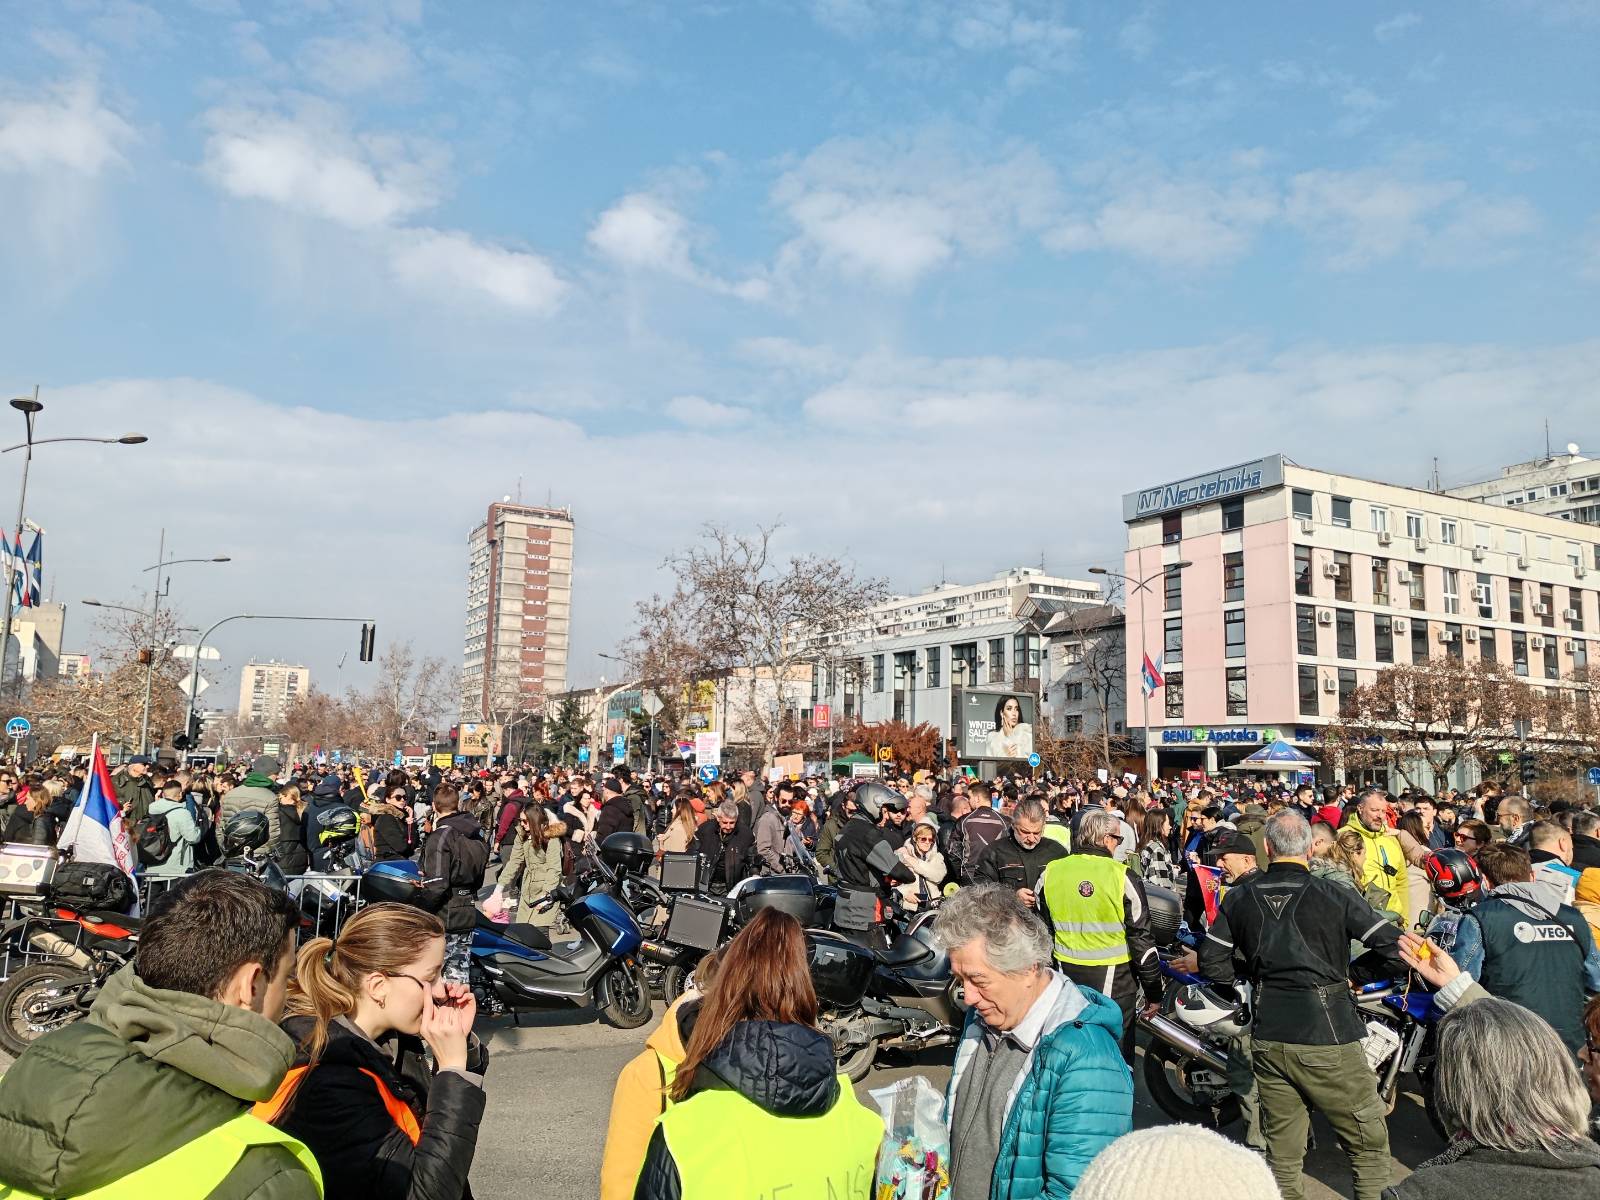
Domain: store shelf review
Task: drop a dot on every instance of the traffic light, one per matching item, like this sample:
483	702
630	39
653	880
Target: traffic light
1525	767
455	734
369	638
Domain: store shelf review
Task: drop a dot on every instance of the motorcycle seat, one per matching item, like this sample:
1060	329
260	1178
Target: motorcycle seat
903	952
531	936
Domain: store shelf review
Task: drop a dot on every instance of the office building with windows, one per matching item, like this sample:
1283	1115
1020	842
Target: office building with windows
1302	585
519	610
267	690
902	661
1566	486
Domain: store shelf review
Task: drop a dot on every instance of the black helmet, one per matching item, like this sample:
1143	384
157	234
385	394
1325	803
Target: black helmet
872	798
1454	876
626	851
247	830
337	824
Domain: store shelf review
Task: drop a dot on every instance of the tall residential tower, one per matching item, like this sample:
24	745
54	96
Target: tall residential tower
519	602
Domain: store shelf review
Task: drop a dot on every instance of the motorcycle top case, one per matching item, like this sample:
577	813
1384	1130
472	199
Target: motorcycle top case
685	872
92	885
697	923
26	870
793	894
840	969
1166	913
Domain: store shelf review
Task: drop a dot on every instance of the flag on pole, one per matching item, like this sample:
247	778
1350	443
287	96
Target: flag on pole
32	577
1209	880
94	830
1150	678
18	575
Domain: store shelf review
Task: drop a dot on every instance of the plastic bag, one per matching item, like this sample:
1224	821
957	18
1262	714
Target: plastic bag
914	1162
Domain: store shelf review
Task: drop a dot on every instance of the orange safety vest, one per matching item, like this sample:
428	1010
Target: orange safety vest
399	1111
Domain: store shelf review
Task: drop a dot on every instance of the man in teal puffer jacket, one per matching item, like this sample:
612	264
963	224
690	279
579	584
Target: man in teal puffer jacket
1039	1086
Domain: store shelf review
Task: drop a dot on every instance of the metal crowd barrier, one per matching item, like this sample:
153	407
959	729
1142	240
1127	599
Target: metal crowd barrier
326	902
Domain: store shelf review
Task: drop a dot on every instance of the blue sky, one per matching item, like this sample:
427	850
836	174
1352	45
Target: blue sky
933	281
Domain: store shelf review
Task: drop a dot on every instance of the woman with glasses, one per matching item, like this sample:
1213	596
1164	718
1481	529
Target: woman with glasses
920	852
360	1095
1470	837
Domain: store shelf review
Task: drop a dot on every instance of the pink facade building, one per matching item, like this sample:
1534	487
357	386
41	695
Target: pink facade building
1301	585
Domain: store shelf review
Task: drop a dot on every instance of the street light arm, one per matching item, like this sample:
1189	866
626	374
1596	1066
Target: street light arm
50	441
172	562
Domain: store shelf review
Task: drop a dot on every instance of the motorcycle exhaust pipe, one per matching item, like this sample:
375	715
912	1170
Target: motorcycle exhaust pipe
655	952
1174	1034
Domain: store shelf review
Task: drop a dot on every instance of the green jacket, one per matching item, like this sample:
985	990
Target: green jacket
529	875
148	1071
134	797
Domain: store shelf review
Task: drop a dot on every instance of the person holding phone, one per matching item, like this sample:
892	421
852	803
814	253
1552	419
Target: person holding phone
360	1094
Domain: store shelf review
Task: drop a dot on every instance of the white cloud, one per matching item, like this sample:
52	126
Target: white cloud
1029	31
351	65
700	413
1396	26
312	166
642	232
1137	37
1482	230
894	210
1589	251
431	260
1367	215
66	128
1187	223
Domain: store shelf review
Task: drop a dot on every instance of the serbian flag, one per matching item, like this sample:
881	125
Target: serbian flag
1150	677
94	831
33	572
1210	881
19	578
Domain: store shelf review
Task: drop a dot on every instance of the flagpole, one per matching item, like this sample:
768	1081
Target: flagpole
75	817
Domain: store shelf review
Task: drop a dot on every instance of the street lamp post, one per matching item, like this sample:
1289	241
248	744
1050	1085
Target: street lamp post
161	563
144	721
31	408
1142	586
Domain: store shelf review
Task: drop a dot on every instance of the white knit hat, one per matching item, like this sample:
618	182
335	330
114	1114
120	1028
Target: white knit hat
1169	1159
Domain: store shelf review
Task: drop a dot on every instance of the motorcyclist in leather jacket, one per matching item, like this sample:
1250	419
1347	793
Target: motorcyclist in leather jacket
865	864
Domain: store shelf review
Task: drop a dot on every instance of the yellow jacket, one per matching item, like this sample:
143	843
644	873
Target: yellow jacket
639	1098
1587	899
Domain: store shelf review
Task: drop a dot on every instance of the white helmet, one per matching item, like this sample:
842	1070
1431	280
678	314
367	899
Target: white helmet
1214	1009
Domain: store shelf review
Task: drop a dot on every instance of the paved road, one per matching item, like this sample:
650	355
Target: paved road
550	1093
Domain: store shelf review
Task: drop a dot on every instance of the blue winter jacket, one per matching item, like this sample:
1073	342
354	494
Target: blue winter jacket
1072	1098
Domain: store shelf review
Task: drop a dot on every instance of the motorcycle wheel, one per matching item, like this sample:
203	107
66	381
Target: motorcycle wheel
673	981
1161	1064
856	1064
623	996
28	987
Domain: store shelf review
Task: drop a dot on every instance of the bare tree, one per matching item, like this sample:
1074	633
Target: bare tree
1097	658
745	616
1441	712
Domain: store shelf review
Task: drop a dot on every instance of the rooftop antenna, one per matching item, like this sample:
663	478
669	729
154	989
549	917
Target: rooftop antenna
1436	473
519	489
1547	437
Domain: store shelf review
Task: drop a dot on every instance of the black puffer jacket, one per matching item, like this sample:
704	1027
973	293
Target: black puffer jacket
787	1069
338	1112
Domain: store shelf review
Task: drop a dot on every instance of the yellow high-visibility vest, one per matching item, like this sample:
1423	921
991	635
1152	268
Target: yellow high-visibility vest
727	1146
195	1169
1084	895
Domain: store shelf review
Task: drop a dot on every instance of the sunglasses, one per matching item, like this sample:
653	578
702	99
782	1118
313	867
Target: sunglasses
1466	837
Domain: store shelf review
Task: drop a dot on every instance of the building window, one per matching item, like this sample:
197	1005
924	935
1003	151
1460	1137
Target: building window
1419	641
1481	537
1486	646
1301	504
1024	655
1232	514
1172	587
933	666
1483	596
1575	607
1171	528
1233	577
1238	692
1452	645
1074	692
1347	686
1174	691
1233	633
1415	527
1519	652
1341	511
997	660
1305	629
1172	639
1383	637
1547	606
1514	609
1072	723
1514	541
1308	690
1552	666
1344	628
877	672
1541	548
1380	581
1418	591
1580	656
1380	519
1447	531
964	663
1452	591
1302	570
1341	580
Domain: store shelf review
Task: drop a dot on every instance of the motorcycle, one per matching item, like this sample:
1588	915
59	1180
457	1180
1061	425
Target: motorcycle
1185	1070
1401	1025
515	967
46	996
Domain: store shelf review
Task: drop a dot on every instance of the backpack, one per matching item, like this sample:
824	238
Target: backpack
153	840
92	885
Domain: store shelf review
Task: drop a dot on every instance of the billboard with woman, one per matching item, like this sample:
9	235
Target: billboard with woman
996	725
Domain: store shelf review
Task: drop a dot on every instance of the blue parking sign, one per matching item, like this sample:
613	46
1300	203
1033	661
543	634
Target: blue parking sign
708	773
1594	776
1033	759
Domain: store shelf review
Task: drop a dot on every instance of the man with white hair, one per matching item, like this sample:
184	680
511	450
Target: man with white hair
1292	930
1097	909
1033	1041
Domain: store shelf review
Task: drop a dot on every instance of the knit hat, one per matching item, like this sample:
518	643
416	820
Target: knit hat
1171	1158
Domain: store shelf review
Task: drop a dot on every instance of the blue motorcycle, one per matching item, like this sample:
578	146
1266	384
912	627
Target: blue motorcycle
1401	1039
515	967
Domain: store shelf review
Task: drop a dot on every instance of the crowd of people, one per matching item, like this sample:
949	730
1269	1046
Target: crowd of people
347	1066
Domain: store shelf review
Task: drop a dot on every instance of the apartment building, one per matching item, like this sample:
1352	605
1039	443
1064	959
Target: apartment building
1301	585
268	689
1565	486
905	658
519	610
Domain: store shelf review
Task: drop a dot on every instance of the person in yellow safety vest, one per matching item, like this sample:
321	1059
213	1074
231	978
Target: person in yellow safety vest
150	1095
757	1106
1389	851
1096	907
641	1092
